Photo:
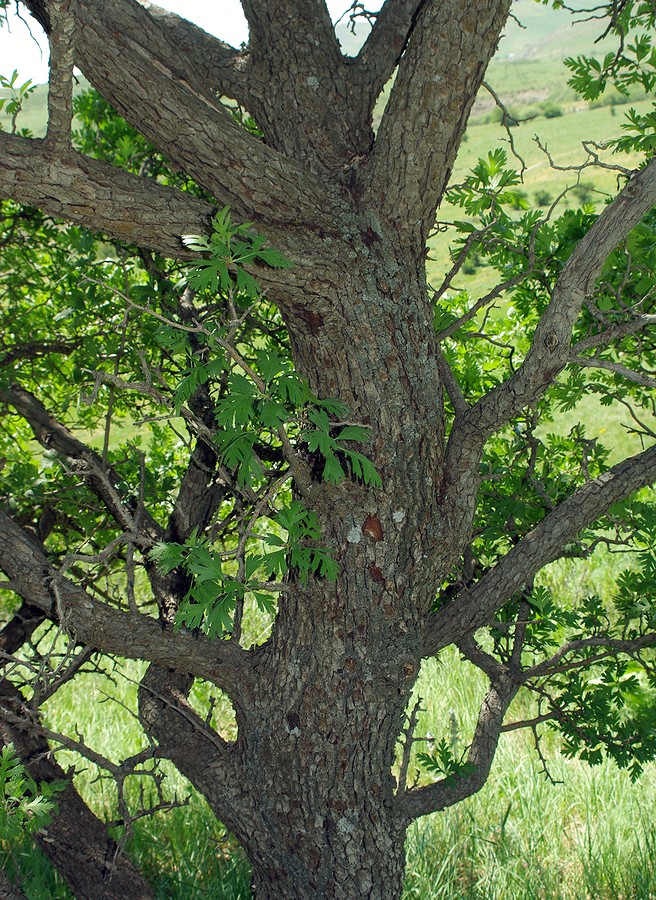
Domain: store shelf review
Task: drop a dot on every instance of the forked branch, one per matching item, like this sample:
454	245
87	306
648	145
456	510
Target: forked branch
448	791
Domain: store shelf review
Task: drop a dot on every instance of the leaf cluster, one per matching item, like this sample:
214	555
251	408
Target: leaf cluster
441	761
266	419
17	95
25	807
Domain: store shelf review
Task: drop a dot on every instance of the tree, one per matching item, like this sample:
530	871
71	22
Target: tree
388	495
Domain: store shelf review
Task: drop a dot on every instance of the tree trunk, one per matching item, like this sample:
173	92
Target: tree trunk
317	743
318	752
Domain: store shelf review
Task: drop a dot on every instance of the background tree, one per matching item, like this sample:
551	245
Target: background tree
323	439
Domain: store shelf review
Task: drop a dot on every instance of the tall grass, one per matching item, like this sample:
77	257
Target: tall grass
550	828
579	832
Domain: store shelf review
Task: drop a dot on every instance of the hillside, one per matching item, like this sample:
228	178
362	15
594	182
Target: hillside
527	67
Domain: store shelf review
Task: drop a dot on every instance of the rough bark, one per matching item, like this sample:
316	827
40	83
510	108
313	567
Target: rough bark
99	196
9	891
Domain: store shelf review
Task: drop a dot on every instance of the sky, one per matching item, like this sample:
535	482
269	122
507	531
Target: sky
224	18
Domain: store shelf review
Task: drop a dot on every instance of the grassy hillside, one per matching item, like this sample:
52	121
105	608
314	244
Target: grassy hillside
533	30
536	30
34	114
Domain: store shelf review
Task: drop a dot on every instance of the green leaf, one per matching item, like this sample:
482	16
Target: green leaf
274	259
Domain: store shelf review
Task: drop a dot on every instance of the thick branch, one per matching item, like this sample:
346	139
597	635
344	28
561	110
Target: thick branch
209	64
473	607
205	758
445	793
111	630
212	66
438	77
192	129
302	98
106	199
60	88
295	22
549	352
381	52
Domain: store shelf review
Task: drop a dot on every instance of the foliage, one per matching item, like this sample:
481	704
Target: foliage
18	94
265	404
25	807
440	761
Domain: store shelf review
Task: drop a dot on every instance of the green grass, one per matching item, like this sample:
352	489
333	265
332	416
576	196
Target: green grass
590	835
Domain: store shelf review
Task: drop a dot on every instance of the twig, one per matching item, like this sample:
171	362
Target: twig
407	746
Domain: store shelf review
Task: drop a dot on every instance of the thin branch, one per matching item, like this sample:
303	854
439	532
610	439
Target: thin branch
612	646
452	386
478	657
550	348
102	479
614	333
167	718
596	362
507	124
76	841
408	741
